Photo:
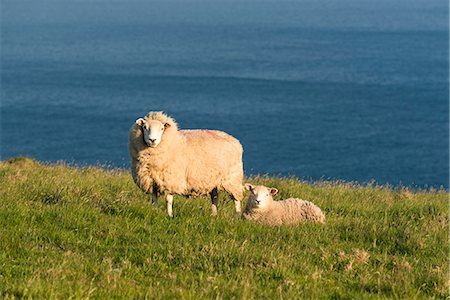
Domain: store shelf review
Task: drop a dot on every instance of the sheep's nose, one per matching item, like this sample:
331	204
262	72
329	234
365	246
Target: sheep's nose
152	140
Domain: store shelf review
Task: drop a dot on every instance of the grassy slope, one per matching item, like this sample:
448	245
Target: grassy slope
86	232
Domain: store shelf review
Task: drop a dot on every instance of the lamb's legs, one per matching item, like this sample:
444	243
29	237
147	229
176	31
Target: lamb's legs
169	200
214	201
155	192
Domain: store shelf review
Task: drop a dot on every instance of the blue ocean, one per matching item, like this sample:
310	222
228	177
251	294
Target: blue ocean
353	90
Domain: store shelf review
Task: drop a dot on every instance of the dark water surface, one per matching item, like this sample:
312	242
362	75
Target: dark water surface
353	90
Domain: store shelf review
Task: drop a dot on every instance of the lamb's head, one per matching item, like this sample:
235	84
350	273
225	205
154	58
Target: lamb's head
260	195
152	130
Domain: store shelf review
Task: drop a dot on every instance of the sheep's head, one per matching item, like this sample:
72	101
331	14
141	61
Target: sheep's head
152	131
260	195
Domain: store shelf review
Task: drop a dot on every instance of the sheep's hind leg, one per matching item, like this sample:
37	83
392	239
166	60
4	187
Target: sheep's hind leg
237	205
214	201
155	192
169	200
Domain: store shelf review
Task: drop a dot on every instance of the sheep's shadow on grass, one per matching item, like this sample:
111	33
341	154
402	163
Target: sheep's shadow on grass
49	198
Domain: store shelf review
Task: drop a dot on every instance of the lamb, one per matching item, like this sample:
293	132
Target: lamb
262	209
184	162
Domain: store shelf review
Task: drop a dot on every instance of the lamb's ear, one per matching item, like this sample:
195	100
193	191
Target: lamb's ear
249	187
273	191
140	122
167	125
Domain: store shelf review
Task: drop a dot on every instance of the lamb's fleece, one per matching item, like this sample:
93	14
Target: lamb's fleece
262	209
186	162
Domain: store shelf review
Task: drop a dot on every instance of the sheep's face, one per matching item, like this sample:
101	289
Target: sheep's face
152	130
260	195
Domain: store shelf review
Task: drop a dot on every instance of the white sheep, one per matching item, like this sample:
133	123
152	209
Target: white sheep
262	209
184	162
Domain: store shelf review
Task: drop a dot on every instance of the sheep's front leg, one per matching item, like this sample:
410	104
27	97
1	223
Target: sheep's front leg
155	192
214	201
155	198
169	200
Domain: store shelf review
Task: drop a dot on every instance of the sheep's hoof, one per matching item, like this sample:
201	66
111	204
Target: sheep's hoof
213	210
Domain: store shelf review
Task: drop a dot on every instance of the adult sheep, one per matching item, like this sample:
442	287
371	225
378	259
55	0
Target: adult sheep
262	209
184	162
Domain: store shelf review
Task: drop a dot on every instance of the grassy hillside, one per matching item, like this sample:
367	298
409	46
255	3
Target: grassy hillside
90	233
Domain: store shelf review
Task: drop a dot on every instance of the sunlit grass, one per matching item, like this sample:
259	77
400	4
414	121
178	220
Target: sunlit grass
86	232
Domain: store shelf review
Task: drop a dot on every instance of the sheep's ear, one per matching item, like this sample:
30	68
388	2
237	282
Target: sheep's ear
273	191
140	122
248	187
166	125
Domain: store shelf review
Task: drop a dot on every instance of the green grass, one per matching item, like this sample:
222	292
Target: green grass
68	232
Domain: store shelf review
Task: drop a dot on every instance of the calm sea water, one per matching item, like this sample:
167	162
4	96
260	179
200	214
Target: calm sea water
351	89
